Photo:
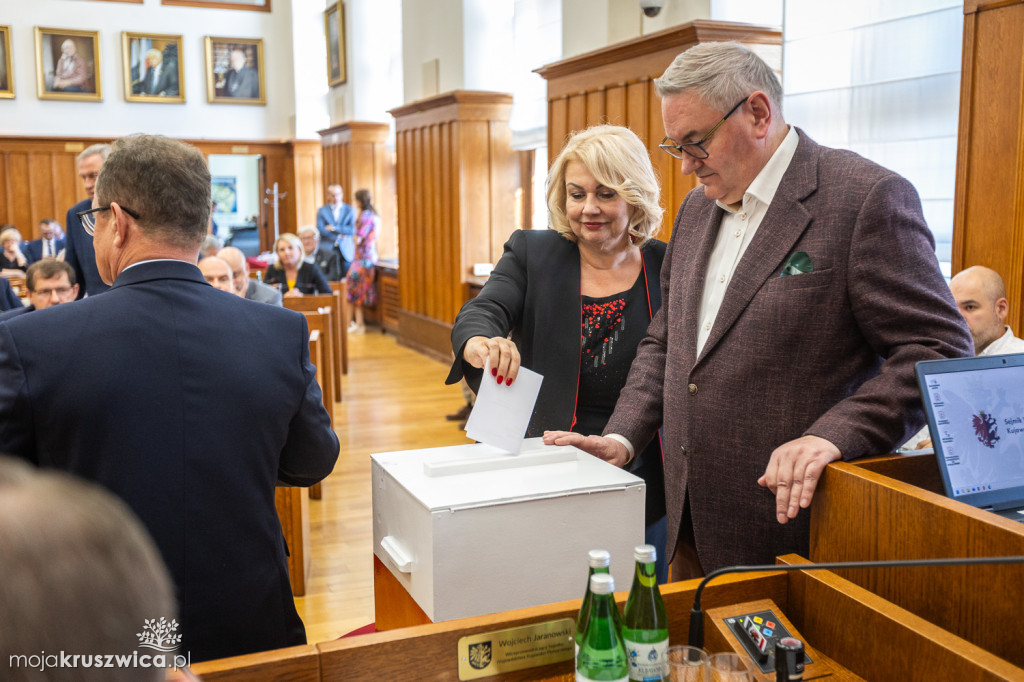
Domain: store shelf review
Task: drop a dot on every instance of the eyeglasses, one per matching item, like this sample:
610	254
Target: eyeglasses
696	149
89	221
47	293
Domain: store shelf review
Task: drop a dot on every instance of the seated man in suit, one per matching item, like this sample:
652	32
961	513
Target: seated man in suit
325	257
69	547
49	282
217	273
148	403
49	245
246	286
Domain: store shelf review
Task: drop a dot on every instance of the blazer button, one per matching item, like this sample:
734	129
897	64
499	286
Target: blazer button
693	389
682	448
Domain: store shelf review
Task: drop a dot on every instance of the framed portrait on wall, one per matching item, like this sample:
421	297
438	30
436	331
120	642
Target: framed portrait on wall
257	5
154	67
6	69
334	33
234	71
68	64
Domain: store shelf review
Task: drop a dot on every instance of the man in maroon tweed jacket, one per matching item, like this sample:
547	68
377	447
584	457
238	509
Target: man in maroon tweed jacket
799	289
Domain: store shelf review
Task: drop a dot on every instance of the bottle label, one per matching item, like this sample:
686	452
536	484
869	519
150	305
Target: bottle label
647	661
580	677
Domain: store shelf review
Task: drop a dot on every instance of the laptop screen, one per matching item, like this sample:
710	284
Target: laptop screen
975	412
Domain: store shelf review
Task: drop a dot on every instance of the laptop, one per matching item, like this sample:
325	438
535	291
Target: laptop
975	412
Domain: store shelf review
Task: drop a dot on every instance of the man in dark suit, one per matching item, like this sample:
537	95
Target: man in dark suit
159	79
79	252
49	245
799	290
148	405
336	222
323	256
241	79
8	299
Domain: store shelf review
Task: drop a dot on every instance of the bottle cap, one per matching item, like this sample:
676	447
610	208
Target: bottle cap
602	583
645	553
599	558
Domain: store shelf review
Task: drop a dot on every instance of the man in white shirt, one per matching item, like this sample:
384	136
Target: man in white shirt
49	244
981	297
799	289
336	222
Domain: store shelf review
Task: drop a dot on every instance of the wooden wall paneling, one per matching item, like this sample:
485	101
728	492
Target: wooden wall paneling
596	112
307	171
450	195
615	105
21	190
6	203
66	183
577	114
585	90
506	179
988	222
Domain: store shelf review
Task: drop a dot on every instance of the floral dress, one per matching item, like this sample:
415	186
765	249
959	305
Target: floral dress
361	274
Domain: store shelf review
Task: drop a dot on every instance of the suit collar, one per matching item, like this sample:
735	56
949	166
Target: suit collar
146	271
780	229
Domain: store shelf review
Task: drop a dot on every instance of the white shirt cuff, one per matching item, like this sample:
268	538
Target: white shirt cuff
624	441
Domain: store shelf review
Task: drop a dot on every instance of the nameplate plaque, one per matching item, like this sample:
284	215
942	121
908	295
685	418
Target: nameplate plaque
529	646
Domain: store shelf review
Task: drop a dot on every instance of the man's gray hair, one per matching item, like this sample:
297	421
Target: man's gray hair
164	181
102	149
80	576
721	74
309	229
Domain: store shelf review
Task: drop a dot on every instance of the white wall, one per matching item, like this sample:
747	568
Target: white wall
28	115
431	29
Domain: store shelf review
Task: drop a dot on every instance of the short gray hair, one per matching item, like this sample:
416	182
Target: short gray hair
617	159
102	149
165	181
721	74
71	548
309	229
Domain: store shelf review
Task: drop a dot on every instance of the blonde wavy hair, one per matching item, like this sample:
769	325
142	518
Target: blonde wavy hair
617	159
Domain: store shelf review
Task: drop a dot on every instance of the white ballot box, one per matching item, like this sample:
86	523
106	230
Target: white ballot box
468	530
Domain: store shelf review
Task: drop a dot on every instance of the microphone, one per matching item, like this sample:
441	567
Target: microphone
697	614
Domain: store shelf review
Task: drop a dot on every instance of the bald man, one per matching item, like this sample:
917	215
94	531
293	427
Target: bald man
245	286
217	273
981	298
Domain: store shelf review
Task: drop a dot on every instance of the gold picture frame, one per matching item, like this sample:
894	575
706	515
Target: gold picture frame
6	69
334	34
154	67
234	71
68	64
255	5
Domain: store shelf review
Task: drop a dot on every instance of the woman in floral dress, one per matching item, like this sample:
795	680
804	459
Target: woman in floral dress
361	275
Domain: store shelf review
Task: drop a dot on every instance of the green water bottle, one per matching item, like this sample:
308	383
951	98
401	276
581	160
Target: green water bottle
602	655
644	623
599	561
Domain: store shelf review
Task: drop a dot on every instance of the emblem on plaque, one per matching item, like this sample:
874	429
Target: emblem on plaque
480	655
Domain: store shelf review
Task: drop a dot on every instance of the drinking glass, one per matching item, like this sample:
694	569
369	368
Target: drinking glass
687	664
730	667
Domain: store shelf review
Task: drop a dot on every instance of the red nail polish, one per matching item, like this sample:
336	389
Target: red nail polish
494	371
500	378
508	382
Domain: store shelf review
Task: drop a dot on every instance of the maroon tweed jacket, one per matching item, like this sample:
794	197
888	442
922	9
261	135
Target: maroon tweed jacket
829	353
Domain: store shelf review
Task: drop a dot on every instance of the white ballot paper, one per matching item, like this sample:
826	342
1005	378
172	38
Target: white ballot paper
502	413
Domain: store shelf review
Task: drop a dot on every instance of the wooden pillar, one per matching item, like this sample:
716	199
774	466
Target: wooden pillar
616	85
355	156
457	178
988	207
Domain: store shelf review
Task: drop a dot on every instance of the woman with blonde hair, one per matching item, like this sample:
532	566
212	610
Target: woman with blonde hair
293	275
11	258
572	303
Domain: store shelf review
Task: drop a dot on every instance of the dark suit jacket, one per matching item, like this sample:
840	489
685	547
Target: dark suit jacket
344	226
328	260
244	83
14	312
166	82
829	353
534	293
8	299
33	250
80	254
309	280
189	404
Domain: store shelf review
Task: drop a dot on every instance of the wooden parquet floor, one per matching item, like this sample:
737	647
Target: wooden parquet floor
394	399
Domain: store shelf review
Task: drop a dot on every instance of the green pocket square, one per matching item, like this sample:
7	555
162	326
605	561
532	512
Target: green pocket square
799	263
